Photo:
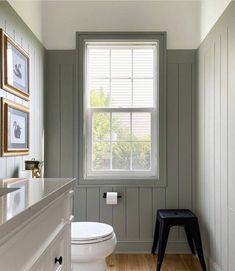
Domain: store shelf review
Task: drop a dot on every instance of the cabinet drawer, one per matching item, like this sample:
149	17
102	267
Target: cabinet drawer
58	253
55	258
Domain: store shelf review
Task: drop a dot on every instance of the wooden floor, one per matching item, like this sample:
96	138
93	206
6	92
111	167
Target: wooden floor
147	262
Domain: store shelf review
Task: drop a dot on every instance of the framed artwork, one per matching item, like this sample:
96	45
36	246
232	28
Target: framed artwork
14	67
15	128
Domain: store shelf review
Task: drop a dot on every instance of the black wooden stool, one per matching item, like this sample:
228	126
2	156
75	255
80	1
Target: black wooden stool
179	217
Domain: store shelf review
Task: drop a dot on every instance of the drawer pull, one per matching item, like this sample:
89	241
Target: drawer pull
59	260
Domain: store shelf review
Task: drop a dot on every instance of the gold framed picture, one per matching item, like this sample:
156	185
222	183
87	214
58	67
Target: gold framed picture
15	128
14	67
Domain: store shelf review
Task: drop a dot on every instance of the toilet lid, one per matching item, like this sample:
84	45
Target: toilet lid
85	231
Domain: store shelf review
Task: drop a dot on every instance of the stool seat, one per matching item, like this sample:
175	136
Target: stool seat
167	218
175	213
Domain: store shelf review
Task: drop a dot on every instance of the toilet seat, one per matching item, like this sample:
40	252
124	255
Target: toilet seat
90	232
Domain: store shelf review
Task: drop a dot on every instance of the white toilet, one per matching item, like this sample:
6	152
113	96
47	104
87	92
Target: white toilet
91	243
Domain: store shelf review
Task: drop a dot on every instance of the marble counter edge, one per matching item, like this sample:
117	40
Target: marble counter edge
9	227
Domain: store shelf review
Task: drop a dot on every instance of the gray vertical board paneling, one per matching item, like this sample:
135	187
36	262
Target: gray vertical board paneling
172	135
172	191
231	115
52	115
224	149
231	247
217	149
207	147
93	204
80	207
37	112
159	199
185	135
146	213
119	214
212	147
218	145
159	202
194	149
66	119
185	138
32	102
231	142
16	28
106	211
133	218
132	213
59	141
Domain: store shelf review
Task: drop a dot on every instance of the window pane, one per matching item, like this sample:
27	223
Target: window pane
99	92
143	93
141	126
101	155
121	155
121	63
141	156
98	62
121	93
120	126
143	63
101	126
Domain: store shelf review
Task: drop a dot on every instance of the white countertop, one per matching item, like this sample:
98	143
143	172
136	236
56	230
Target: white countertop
32	195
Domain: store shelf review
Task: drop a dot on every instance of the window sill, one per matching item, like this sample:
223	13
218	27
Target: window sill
122	182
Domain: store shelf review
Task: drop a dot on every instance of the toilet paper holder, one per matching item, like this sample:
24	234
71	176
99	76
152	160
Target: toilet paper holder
105	196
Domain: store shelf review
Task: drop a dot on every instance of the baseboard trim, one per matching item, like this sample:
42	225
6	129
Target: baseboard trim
213	266
145	247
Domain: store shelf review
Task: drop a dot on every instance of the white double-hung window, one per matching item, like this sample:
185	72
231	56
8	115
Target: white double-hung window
121	110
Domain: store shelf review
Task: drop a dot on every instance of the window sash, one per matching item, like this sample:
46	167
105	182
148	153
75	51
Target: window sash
153	172
125	45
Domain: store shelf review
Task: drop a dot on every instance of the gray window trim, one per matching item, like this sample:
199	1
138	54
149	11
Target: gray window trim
81	38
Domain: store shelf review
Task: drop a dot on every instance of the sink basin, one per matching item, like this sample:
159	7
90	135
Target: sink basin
6	190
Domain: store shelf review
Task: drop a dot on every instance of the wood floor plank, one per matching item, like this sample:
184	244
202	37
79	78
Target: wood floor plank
147	262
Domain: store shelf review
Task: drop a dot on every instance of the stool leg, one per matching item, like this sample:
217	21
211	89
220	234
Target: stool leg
189	238
198	243
156	237
164	233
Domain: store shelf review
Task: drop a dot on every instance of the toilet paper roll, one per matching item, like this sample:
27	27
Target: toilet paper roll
111	198
25	174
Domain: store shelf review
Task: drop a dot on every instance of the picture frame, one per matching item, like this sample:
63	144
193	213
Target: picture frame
15	128
14	67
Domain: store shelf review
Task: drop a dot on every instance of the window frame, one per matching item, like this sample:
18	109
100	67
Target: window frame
128	177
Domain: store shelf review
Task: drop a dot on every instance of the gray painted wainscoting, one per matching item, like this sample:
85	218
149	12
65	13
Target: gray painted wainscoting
134	216
11	23
215	142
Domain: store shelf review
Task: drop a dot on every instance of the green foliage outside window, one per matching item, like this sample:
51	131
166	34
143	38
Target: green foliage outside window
123	150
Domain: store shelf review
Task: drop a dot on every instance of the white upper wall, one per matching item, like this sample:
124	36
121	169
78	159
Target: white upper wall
31	13
178	18
211	10
55	22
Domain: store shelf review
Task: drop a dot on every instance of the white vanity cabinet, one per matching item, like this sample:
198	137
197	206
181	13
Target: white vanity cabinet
56	256
42	241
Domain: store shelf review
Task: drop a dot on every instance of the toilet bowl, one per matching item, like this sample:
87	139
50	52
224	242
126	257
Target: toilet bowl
92	242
